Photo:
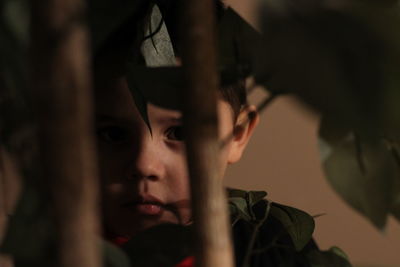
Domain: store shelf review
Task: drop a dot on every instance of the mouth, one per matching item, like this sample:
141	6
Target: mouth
146	205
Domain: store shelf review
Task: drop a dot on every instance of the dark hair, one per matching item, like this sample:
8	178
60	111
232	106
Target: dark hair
236	95
122	45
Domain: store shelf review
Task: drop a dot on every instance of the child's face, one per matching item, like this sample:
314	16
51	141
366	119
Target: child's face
144	175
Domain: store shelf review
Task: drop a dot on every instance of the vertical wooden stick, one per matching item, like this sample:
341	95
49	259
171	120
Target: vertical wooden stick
61	90
210	212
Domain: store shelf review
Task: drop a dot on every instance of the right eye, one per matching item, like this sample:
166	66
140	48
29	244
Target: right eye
113	134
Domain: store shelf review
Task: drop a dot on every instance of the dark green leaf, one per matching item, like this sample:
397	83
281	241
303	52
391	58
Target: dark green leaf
113	256
395	210
331	258
138	96
241	203
341	61
239	208
298	224
161	86
364	173
118	20
237	41
29	230
163	245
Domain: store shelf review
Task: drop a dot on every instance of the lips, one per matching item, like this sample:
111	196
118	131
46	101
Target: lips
146	205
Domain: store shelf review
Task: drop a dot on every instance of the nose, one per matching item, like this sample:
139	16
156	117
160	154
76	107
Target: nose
148	160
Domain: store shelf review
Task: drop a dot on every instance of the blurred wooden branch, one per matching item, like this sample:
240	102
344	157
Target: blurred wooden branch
60	80
210	210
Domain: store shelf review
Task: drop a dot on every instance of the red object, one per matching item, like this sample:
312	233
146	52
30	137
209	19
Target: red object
188	262
119	240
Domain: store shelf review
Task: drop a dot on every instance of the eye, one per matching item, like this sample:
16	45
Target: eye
175	133
113	134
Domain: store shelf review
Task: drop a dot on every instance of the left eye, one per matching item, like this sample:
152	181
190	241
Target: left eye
175	133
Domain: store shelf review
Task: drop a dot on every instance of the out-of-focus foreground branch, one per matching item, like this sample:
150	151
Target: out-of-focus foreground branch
60	83
210	212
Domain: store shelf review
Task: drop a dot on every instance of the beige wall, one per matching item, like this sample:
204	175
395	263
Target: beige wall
283	159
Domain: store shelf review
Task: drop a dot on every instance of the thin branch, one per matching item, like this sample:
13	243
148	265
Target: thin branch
249	251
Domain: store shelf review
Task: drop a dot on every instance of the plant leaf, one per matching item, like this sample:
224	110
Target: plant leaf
335	59
118	20
29	225
331	258
168	244
113	256
363	172
160	86
299	225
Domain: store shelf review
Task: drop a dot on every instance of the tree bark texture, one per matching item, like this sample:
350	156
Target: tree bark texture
61	90
209	203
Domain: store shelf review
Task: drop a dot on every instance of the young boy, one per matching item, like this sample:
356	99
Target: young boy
144	173
145	181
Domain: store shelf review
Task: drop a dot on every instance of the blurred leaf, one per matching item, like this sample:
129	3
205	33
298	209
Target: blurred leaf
16	18
114	256
395	211
29	232
331	258
160	86
137	92
363	172
299	225
117	20
236	42
163	245
330	58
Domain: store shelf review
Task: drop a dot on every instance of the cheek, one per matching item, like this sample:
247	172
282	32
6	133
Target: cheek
177	172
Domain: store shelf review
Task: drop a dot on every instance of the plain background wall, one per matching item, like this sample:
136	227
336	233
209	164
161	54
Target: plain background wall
283	159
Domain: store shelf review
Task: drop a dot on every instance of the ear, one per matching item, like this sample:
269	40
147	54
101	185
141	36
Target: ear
244	127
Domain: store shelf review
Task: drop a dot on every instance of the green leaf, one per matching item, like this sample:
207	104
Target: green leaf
29	233
113	256
16	18
241	203
161	86
162	245
342	61
299	225
138	96
118	20
395	210
237	41
330	258
364	173
239	209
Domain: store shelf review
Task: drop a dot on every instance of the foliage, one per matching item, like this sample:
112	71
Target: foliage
341	59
